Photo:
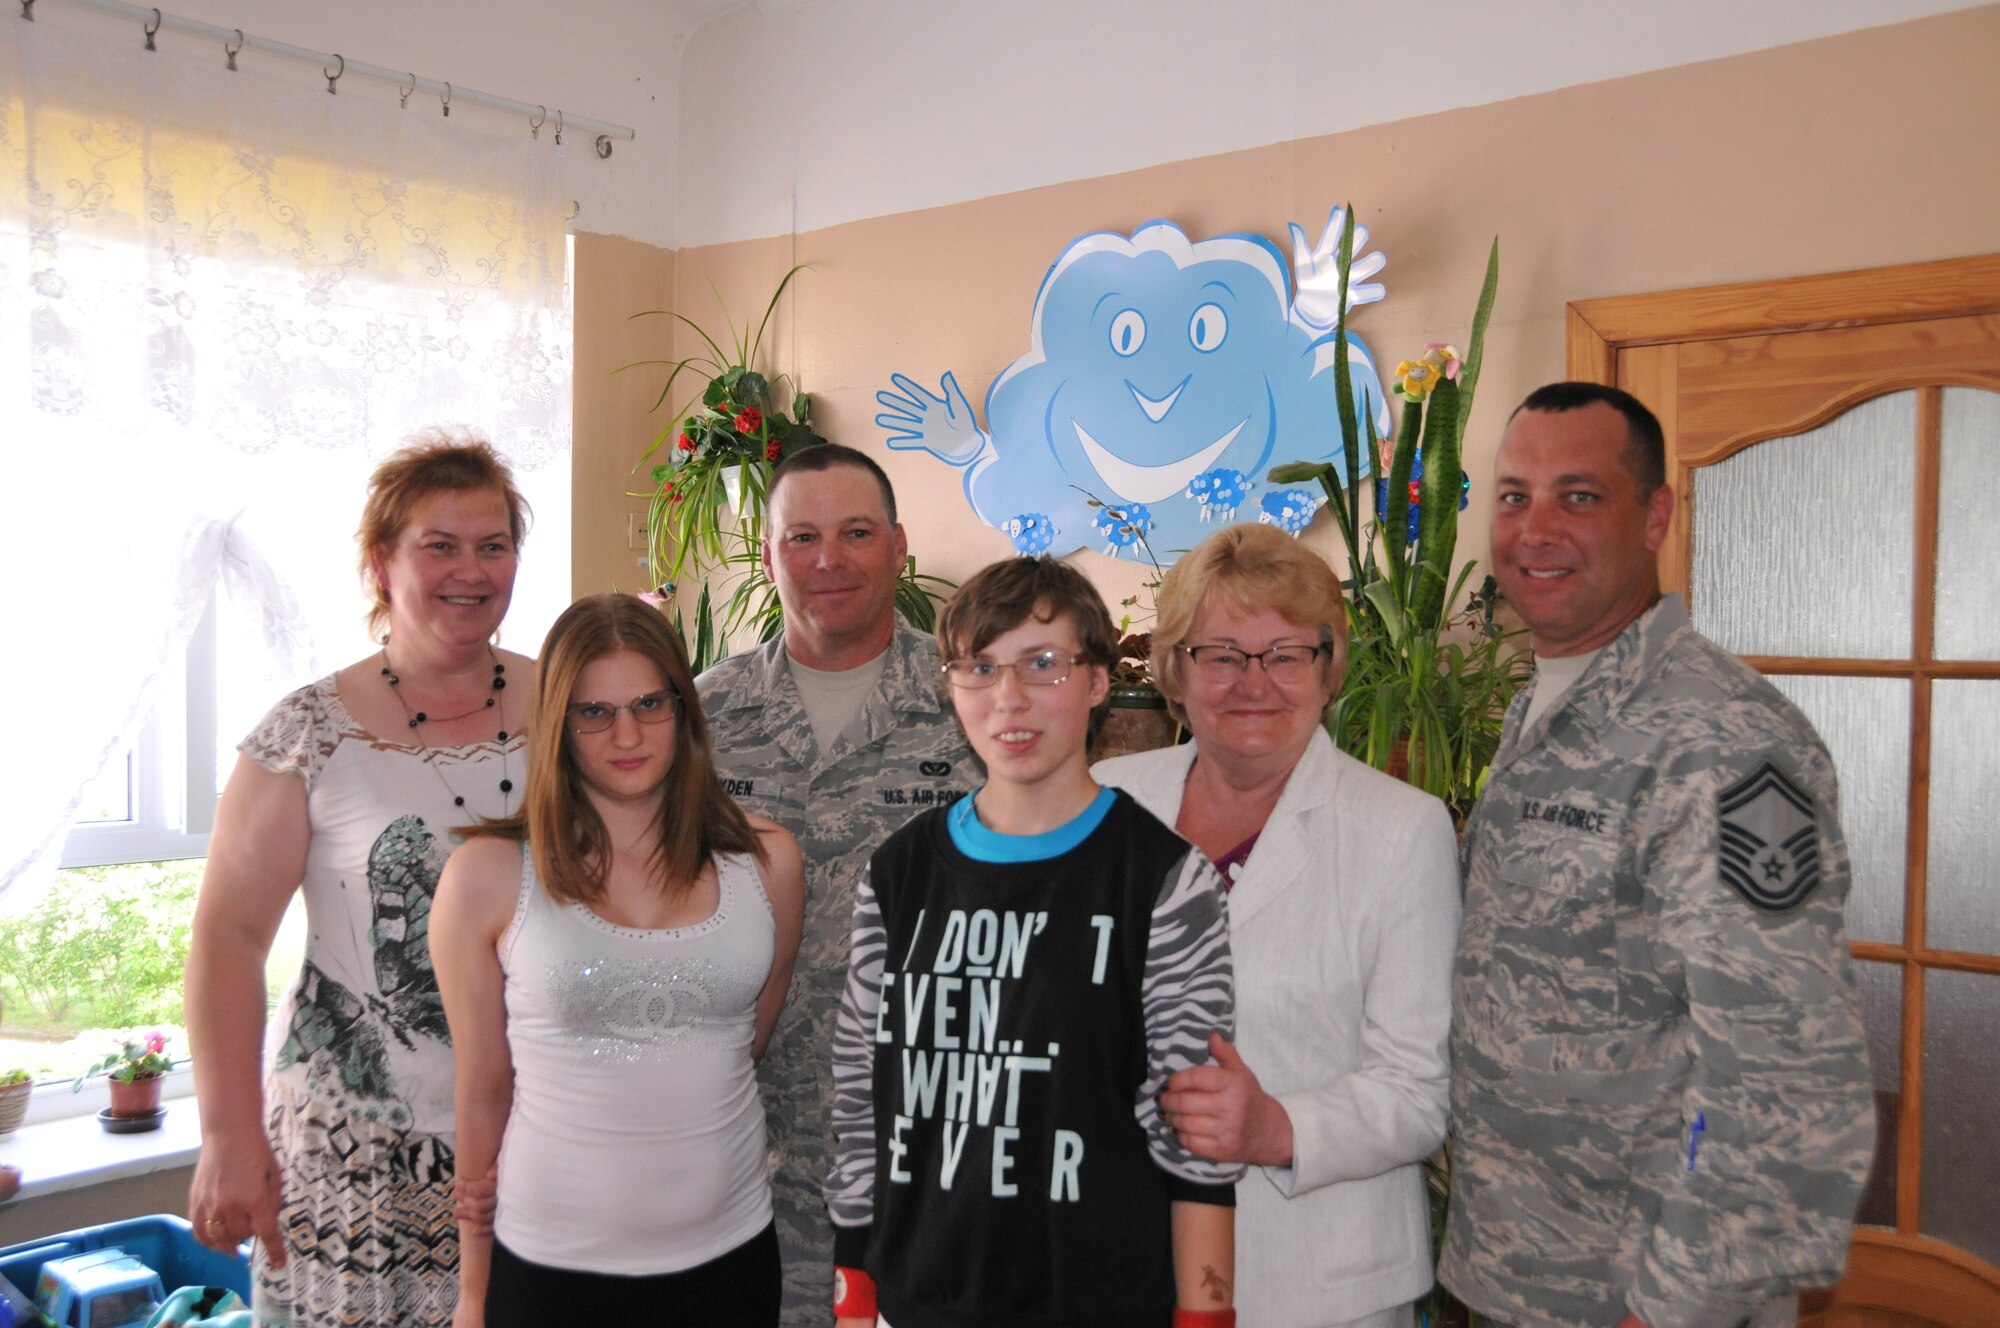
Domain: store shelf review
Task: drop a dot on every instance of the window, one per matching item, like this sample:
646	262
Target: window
222	302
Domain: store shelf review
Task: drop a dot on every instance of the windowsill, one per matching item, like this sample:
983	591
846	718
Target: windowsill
72	1152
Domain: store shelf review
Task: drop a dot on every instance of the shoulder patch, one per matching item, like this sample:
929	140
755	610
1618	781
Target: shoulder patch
1770	839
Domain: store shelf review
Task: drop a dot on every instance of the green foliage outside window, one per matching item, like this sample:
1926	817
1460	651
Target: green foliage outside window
106	949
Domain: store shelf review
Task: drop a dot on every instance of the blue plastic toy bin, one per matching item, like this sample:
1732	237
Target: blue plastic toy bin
166	1244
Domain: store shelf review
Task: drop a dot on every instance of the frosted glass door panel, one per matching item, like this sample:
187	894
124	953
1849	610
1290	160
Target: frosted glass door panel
1802	545
1960	1199
1968	586
1882	1009
1964	889
1865	723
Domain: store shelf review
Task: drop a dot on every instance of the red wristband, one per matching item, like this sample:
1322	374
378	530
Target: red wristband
854	1294
1204	1318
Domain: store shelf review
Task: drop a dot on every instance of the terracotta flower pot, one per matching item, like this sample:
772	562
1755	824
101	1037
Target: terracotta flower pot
140	1097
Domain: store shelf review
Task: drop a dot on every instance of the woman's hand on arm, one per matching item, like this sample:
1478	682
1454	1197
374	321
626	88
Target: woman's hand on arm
256	859
784	879
1221	1112
476	896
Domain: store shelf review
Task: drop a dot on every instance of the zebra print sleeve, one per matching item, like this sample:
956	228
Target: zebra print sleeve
1189	991
850	1186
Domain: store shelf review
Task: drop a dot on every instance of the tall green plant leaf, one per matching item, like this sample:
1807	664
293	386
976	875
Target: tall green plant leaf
1475	348
1437	508
1343	396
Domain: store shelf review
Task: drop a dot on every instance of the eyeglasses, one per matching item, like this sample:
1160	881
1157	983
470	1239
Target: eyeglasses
597	716
1286	663
1043	670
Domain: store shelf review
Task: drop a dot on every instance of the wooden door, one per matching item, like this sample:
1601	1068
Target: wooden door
1834	444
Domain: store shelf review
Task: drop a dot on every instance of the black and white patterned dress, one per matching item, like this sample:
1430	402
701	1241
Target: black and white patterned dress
358	1098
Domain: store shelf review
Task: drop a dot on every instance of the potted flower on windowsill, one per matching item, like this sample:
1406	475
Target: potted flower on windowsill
133	1073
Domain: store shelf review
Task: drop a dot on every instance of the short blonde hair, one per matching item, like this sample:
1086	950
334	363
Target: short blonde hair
1255	567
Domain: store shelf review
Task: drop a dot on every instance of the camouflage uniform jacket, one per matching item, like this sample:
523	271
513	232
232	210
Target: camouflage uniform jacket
902	753
1660	1089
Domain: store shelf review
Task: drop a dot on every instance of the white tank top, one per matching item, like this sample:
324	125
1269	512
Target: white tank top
636	1142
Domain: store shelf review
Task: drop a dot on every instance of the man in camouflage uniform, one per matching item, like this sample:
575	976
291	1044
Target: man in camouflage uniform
835	731
1660	1092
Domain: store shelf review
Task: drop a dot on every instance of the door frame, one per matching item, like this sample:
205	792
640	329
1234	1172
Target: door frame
1886	1268
1599	331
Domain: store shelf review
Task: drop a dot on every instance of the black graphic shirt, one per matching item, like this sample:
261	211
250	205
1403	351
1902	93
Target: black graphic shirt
1005	1033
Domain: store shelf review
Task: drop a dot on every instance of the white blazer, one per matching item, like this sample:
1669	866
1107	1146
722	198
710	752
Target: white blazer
1343	924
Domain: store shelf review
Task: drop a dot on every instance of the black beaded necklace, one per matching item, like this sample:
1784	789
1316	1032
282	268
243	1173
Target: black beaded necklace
418	719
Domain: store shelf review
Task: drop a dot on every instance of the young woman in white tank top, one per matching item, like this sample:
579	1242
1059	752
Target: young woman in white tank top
612	959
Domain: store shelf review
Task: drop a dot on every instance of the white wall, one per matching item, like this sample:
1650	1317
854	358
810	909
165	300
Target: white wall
613	60
802	115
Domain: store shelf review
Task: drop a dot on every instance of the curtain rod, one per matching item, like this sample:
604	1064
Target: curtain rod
405	81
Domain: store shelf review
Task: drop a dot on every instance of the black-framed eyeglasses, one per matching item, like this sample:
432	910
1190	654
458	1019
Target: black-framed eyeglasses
1040	670
1282	663
597	716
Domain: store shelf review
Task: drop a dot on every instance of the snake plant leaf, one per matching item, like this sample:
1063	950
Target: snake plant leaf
1475	348
1437	507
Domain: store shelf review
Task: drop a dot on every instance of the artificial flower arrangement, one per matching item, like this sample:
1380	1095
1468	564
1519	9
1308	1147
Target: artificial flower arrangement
722	447
722	444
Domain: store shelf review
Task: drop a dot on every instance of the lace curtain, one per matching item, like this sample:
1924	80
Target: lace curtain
224	296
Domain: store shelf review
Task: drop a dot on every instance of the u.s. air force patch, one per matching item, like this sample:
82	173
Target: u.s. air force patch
1770	839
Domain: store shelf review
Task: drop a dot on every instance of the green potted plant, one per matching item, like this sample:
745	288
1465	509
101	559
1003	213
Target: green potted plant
16	1087
133	1073
705	511
1427	684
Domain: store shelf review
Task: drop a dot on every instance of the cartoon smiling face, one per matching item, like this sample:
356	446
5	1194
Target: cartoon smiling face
1157	373
1164	378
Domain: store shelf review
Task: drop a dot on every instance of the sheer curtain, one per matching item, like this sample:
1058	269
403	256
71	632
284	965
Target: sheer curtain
224	296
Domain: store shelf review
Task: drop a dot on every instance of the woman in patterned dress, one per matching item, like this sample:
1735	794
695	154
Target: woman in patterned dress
340	1160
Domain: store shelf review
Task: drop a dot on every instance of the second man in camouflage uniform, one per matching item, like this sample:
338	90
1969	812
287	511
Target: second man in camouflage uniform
834	730
1660	1090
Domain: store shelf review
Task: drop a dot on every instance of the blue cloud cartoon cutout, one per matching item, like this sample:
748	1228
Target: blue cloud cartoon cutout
1164	377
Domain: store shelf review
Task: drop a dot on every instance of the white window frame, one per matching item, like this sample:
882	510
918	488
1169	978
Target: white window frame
173	777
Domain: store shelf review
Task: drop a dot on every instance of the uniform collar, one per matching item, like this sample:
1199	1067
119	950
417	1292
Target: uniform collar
1619	669
908	686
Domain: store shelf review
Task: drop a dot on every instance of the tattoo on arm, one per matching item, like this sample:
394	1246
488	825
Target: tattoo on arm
1215	1284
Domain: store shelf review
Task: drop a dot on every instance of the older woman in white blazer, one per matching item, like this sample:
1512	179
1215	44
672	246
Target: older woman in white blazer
1343	915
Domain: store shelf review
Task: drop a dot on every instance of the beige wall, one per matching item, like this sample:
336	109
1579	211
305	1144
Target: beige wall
1854	151
615	278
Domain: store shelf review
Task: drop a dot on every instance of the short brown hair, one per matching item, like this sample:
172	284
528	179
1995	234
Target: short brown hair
698	819
1003	595
821	457
1255	567
439	459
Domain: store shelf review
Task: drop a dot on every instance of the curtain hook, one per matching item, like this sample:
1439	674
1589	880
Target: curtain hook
535	125
334	77
230	51
28	10
558	126
152	30
403	93
447	100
